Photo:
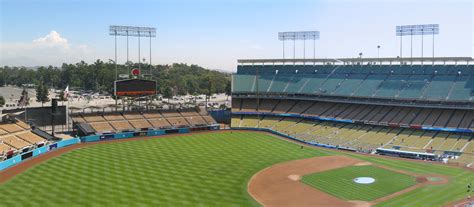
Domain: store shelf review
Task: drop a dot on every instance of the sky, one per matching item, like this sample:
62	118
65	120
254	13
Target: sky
215	33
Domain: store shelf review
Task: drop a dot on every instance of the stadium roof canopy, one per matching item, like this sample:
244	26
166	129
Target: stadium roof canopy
466	60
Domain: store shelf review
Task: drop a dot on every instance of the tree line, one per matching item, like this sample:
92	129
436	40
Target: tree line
175	79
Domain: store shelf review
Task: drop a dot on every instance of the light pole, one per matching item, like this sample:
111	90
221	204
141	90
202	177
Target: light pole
115	94
378	51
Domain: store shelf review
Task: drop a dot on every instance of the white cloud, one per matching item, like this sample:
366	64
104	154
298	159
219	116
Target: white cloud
53	39
51	49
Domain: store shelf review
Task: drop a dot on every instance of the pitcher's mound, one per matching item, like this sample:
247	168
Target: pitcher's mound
362	164
360	203
294	177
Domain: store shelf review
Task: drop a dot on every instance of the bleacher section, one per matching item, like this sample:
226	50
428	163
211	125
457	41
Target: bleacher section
16	137
141	121
399	82
361	137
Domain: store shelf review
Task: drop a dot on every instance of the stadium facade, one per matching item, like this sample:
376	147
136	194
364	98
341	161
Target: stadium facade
419	108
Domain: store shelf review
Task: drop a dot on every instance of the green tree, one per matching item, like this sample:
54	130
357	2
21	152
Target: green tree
42	93
2	101
167	93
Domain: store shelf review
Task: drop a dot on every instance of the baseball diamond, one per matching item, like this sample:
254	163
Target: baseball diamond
214	169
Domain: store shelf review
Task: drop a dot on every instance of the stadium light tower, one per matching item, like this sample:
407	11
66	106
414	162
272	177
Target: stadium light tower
303	35
133	32
421	29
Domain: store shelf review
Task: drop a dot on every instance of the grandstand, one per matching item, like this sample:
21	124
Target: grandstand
388	105
133	121
17	137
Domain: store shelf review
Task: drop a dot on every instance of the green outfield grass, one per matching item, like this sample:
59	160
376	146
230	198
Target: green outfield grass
200	170
339	182
210	169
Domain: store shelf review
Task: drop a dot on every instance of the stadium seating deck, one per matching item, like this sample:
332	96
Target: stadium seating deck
382	81
4	148
140	123
150	115
159	123
95	118
14	142
378	114
128	121
31	137
196	120
209	119
133	116
170	114
360	137
121	125
2	132
11	128
178	122
101	126
113	117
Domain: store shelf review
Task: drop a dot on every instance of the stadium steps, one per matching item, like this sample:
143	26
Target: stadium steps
253	83
465	146
460	142
380	84
271	83
425	87
451	89
304	85
397	95
359	85
288	84
240	120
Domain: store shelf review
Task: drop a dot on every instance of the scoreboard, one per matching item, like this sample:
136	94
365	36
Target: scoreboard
135	88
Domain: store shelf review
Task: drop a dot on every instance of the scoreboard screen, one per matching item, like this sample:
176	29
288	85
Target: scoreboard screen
135	87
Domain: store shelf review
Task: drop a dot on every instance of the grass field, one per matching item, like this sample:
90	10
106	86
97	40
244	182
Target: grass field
210	169
201	169
339	182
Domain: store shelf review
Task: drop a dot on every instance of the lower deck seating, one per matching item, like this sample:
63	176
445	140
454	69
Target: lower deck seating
196	121
95	118
235	120
132	121
4	148
11	128
15	142
209	119
178	122
159	123
140	123
16	136
121	125
101	126
31	137
359	136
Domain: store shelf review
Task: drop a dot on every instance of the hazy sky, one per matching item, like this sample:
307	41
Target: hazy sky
215	33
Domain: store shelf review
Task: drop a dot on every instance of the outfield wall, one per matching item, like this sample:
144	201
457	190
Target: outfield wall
36	152
92	138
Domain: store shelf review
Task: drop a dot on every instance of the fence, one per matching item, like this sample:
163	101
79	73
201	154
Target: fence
36	152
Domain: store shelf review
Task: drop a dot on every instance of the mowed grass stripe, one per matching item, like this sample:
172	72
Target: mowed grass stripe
196	170
339	182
